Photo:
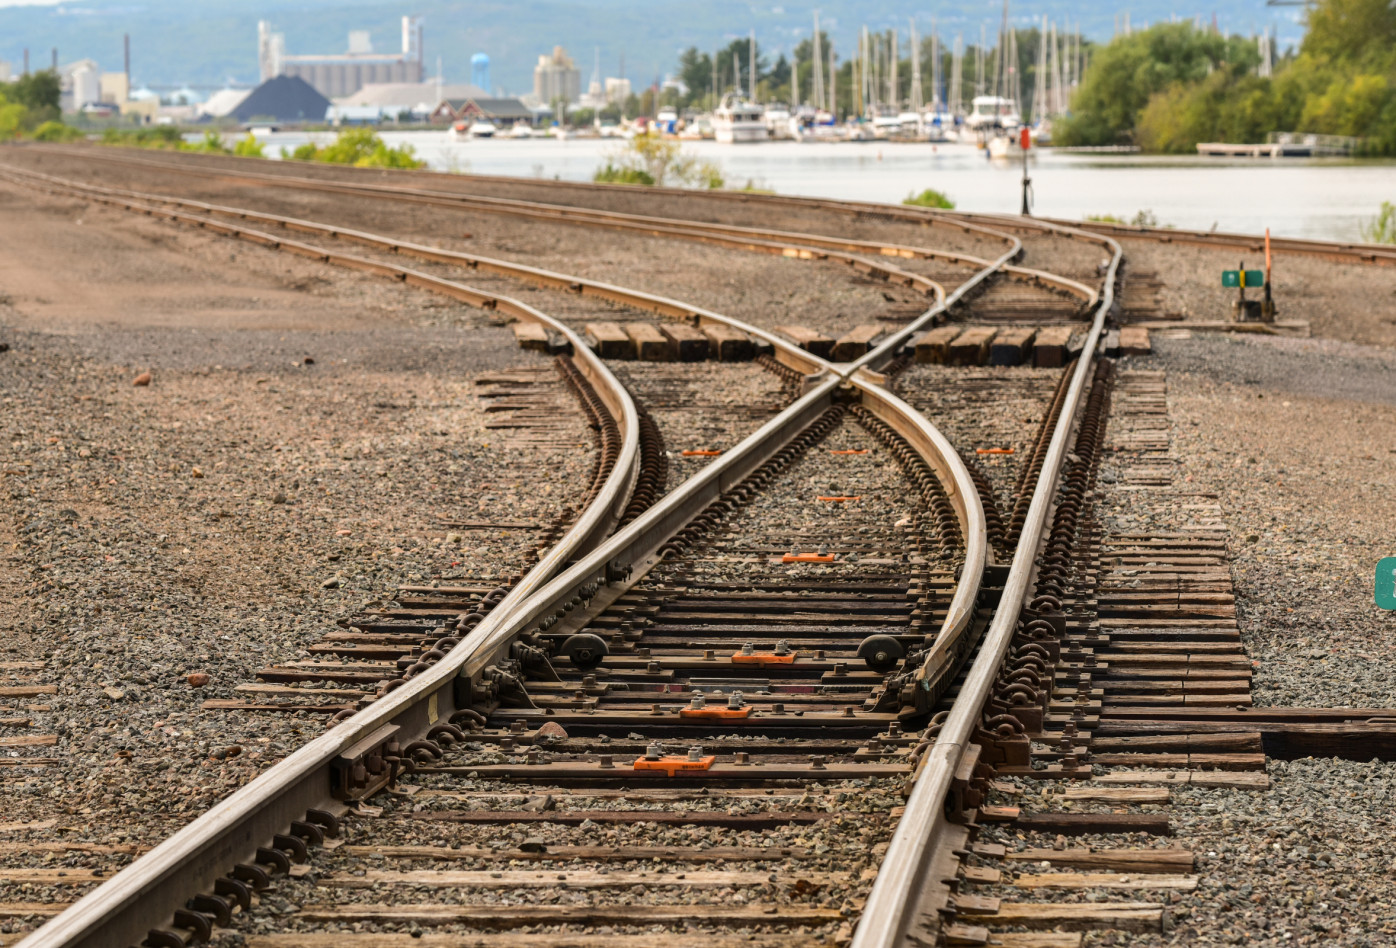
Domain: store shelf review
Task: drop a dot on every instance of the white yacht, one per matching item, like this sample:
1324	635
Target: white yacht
778	122
992	111
737	121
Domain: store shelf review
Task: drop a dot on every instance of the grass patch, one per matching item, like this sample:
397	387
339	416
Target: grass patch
1144	218
1382	228
930	198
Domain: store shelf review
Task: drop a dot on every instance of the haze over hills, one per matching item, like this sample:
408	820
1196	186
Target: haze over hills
211	42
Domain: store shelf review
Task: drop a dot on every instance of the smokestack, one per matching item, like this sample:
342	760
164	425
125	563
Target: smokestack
126	48
26	60
55	59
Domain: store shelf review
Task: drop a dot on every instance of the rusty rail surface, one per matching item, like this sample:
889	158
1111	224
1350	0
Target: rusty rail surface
152	892
1346	251
867	256
892	907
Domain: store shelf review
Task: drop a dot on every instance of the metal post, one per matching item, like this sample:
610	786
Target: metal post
1027	183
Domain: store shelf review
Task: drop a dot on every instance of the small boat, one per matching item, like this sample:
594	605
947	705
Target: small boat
738	122
778	122
993	111
666	121
999	146
521	130
465	130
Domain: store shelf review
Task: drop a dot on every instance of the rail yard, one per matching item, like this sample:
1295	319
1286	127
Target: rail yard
403	558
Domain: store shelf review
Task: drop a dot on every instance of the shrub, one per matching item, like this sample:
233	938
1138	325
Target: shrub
360	147
651	160
610	173
248	147
930	198
56	132
1382	228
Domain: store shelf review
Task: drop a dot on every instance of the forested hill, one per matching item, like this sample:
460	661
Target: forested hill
209	42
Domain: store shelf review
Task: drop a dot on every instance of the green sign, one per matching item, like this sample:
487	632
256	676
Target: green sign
1232	278
1386	583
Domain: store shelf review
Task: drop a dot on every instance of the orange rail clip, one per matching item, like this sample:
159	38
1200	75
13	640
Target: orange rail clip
807	558
839	500
672	765
853	451
701	454
762	658
715	714
993	450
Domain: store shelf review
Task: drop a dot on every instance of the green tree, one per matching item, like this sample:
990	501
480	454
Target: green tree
1132	69
1357	32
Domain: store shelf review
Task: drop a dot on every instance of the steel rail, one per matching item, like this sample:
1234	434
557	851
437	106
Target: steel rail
891	907
786	352
1338	250
152	888
780	242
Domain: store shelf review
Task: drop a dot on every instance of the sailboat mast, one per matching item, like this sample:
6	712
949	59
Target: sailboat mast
833	82
916	72
751	63
956	103
817	65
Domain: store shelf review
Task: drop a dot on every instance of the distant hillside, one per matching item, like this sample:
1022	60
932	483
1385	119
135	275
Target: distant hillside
209	42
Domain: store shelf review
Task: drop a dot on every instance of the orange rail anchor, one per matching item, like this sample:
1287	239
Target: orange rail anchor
701	454
993	450
840	499
851	451
807	558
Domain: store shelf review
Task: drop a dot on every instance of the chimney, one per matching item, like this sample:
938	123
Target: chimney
26	60
126	45
55	59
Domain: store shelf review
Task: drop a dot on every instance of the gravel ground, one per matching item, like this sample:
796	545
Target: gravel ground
785	514
304	430
1299	438
691	206
760	288
1295	437
1345	301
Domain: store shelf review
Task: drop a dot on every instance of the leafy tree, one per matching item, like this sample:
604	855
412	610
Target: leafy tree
1357	32
40	92
1127	73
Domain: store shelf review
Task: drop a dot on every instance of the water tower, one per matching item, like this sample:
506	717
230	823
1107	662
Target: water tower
480	71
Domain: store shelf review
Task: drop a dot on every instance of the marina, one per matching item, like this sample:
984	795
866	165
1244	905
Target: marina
1328	198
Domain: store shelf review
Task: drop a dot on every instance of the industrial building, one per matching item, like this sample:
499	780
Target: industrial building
556	77
342	74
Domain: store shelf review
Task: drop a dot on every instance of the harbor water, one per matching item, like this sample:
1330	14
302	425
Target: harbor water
1322	198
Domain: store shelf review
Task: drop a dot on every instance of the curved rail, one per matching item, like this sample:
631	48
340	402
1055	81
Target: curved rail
159	883
891	906
783	243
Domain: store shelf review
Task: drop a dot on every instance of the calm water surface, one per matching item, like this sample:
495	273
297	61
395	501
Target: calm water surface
1326	198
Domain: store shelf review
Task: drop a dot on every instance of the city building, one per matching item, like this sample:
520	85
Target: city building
342	74
115	87
556	77
617	90
80	84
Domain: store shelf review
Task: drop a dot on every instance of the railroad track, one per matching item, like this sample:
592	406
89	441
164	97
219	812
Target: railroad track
549	712
1333	250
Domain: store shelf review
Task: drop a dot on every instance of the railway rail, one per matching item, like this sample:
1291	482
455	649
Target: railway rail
1333	250
645	613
